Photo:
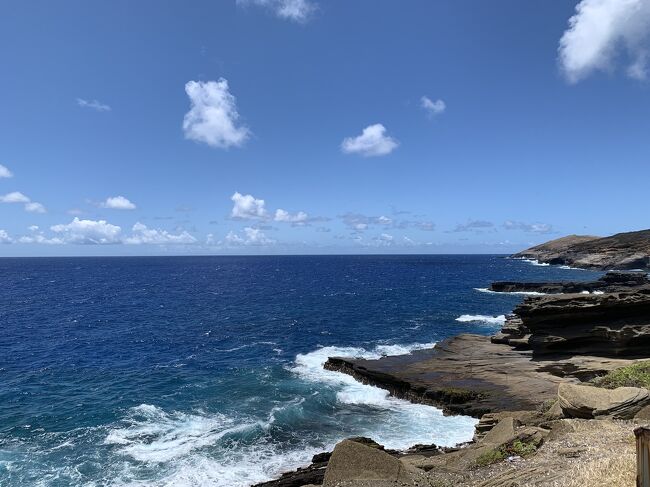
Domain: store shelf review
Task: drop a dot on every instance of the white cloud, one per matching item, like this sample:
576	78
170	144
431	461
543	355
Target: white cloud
141	234
432	107
247	207
213	116
34	207
88	232
93	104
5	238
300	218
598	31
252	236
14	197
296	10
118	203
18	197
372	142
5	173
39	238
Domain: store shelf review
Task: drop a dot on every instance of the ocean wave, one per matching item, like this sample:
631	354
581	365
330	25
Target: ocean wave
521	293
154	436
403	424
490	320
534	262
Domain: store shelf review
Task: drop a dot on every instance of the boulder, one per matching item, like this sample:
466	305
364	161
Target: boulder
578	401
354	464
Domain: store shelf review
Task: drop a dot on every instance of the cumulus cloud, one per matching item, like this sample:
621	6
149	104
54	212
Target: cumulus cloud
247	207
599	31
213	117
93	104
295	10
473	225
18	197
373	141
432	107
5	173
5	238
88	232
118	203
298	219
251	236
141	234
528	227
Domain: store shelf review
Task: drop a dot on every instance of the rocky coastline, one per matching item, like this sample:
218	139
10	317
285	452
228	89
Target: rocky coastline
623	251
531	385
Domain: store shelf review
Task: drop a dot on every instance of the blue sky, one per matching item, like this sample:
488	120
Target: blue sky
313	126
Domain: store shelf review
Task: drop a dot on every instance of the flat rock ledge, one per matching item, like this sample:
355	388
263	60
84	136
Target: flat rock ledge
469	375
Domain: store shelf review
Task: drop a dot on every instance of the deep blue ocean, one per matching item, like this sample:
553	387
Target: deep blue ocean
207	370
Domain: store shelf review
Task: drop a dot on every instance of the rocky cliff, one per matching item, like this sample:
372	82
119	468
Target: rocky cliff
614	321
629	250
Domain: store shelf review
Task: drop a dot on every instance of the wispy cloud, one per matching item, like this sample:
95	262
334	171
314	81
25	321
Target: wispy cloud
213	118
599	31
295	10
473	226
432	108
528	227
94	105
373	141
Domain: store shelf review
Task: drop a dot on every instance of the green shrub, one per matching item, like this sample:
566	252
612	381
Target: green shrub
635	375
490	457
517	447
520	448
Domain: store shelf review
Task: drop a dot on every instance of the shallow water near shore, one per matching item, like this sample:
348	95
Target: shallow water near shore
208	370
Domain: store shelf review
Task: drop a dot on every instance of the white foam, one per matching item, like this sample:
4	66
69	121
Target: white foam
521	293
490	320
536	262
152	435
403	423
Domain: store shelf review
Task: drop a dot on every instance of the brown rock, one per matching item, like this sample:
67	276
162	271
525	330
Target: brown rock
589	402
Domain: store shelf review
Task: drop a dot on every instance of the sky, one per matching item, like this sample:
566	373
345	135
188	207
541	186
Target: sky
311	126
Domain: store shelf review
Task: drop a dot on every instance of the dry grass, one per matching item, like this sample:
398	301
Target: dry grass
618	471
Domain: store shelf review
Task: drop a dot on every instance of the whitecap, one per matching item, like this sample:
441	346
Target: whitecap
521	293
490	320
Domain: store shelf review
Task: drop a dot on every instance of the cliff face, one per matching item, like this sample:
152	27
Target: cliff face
629	250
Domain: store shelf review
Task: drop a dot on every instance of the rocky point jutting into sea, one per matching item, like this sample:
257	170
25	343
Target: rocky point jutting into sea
536	386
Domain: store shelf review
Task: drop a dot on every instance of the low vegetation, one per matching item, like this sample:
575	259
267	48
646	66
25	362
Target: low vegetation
636	375
516	448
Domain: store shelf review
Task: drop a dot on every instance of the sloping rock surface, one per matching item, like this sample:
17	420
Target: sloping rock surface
578	401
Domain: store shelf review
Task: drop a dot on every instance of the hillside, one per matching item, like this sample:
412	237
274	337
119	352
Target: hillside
630	250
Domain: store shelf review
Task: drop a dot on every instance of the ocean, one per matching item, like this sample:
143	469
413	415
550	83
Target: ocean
207	371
